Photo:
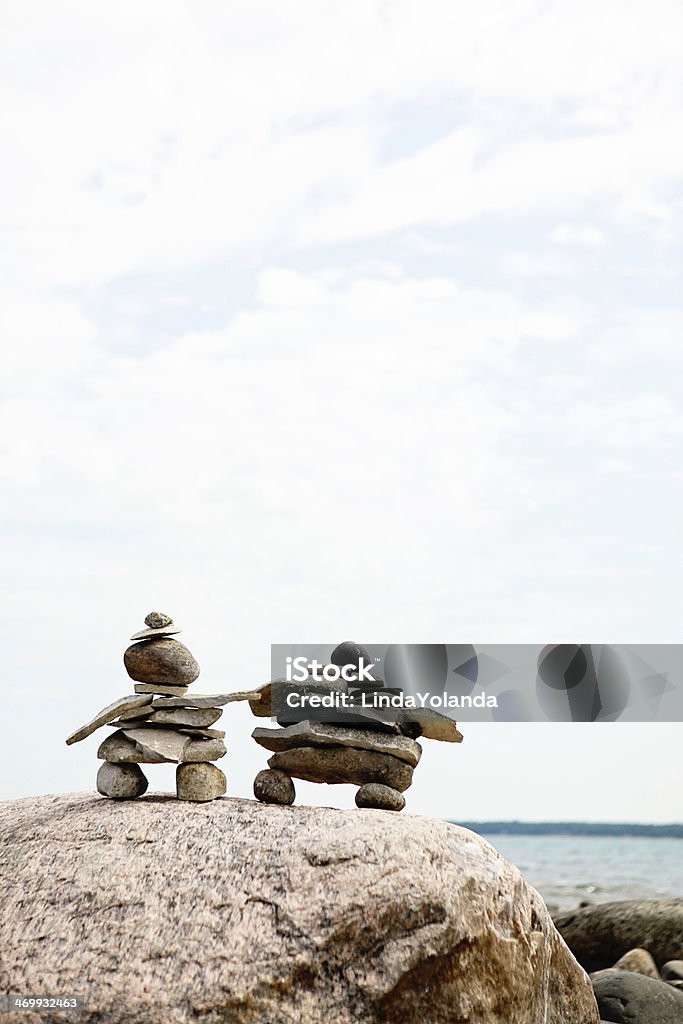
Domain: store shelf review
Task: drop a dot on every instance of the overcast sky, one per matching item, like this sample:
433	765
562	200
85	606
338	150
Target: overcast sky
341	320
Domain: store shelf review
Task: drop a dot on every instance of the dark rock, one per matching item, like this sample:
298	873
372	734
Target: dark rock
157	911
599	935
339	765
199	782
121	781
350	653
160	661
274	787
319	734
639	961
382	798
428	723
624	997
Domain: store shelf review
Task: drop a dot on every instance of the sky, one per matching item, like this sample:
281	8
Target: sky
323	321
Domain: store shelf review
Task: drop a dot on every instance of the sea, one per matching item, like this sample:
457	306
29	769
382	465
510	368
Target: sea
570	870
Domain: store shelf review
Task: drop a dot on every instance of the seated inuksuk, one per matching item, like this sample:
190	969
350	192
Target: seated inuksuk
159	723
354	739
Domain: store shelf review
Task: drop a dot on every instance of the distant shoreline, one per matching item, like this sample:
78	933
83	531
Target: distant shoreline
572	828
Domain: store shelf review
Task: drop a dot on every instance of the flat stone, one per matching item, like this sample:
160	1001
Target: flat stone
108	714
319	734
272	694
167	743
216	700
204	750
428	723
199	782
338	765
118	749
121	781
639	961
160	688
147	634
206	734
627	998
185	716
160	661
274	787
382	798
189	730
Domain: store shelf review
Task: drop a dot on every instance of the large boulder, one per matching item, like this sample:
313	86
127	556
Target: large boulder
161	912
600	934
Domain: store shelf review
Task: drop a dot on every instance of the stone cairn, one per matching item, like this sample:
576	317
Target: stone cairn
159	723
374	748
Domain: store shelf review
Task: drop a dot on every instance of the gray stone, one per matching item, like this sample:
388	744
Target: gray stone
338	765
274	787
382	798
628	998
148	634
157	620
185	716
319	734
216	700
428	723
199	782
639	961
166	743
108	714
118	749
673	970
162	689
121	781
156	911
598	935
163	661
204	750
271	695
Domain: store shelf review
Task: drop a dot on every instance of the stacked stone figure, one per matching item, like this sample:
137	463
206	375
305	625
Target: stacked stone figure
159	723
374	748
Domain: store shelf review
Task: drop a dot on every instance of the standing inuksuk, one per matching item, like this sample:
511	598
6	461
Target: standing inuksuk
159	723
355	739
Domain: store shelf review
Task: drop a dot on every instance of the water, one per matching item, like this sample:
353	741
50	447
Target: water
567	870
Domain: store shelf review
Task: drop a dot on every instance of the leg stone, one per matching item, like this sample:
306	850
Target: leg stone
199	781
121	781
274	787
383	798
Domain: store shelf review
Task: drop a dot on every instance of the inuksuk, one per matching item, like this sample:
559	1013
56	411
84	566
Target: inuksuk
159	723
343	730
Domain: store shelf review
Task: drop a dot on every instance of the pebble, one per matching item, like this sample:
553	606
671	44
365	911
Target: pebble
673	970
121	781
157	620
383	798
274	787
319	734
199	782
639	961
334	765
164	661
